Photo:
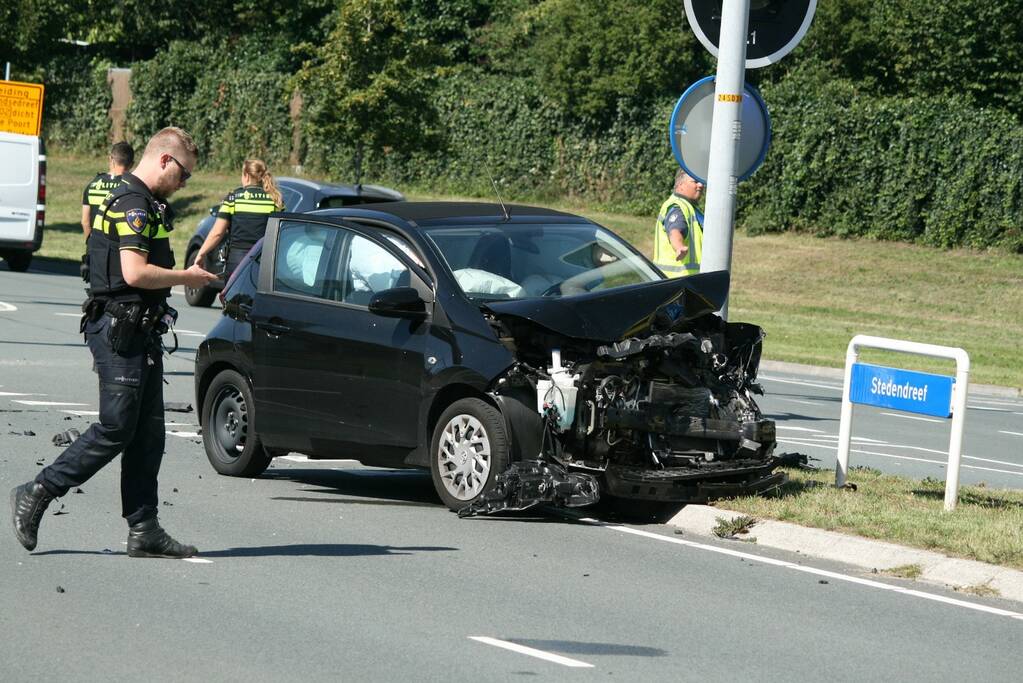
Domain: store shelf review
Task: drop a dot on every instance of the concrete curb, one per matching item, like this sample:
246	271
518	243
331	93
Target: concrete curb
864	553
839	374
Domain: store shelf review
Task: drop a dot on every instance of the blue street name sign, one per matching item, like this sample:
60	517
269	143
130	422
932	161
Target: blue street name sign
905	390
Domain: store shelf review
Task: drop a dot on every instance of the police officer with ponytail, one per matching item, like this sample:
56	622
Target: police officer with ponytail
132	272
242	215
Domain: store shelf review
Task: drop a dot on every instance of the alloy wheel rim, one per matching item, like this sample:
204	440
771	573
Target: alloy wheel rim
464	456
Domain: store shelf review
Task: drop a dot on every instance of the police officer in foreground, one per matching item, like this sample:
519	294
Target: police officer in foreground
132	273
122	156
678	233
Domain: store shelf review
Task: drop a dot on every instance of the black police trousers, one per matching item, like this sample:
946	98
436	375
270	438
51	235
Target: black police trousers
131	422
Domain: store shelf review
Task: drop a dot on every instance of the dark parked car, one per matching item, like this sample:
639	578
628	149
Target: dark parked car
463	339
300	195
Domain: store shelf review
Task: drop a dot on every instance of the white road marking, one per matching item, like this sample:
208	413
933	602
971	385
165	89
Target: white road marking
802	384
48	403
7	308
796	400
1010	433
14	393
178	424
532	652
81	413
990	410
906	457
184	435
834	437
197	560
69	315
812	570
180	331
302	458
914	417
994	402
798	429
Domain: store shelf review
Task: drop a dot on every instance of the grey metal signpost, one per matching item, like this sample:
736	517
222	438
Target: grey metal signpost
780	25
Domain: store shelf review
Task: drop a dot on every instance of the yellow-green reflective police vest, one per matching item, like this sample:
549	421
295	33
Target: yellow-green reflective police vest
664	253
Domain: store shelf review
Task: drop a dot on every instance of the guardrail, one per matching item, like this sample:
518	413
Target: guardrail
891	391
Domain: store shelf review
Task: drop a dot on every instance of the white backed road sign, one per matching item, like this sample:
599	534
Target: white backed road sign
775	27
691	124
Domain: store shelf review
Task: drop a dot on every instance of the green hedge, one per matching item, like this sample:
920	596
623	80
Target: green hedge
233	99
928	170
77	103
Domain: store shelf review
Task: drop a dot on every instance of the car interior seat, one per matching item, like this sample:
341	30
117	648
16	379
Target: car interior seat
493	254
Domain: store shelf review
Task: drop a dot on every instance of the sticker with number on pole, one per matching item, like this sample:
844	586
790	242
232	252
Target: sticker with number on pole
690	127
775	27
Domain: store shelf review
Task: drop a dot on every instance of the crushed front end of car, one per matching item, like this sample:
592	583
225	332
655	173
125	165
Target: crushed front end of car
640	392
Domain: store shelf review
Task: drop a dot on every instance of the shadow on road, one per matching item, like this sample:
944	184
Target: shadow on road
384	487
781	417
321	550
576	647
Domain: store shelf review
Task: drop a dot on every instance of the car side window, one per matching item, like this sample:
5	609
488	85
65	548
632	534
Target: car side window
370	269
291	198
302	262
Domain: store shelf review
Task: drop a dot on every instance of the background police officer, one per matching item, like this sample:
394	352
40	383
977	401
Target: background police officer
122	156
132	273
678	234
242	215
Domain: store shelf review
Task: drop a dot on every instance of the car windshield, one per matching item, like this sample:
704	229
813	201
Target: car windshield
515	261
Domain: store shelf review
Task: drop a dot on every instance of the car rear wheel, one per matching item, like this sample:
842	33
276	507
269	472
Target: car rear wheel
18	261
200	297
468	450
229	432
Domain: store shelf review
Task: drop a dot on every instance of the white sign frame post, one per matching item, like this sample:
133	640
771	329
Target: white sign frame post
955	446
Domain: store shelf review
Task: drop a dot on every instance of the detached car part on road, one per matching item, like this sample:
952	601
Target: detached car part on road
523	358
300	195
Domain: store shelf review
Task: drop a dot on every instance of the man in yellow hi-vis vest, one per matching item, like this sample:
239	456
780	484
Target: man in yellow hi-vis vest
678	233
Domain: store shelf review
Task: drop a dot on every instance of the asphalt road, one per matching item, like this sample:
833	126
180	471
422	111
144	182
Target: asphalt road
339	572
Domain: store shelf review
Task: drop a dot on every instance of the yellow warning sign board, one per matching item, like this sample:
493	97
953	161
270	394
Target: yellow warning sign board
21	107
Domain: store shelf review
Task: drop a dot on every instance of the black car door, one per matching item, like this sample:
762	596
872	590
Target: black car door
331	378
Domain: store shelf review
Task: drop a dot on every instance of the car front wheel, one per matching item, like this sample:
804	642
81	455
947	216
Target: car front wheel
468	450
229	432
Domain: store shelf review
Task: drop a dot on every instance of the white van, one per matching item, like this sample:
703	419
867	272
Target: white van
22	198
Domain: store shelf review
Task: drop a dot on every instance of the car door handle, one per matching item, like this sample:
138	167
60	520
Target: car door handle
274	329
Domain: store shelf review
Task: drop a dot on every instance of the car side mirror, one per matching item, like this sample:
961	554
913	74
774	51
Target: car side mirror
398	302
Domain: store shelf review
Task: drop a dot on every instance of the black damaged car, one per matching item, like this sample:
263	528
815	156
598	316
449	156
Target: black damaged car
523	355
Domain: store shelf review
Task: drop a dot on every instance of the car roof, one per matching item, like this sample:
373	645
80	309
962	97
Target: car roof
421	212
337	189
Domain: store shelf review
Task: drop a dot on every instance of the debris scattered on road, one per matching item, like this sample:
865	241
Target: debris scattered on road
176	407
79	491
60	589
732	528
168	503
61	510
174	490
66	438
27	432
822	581
67	418
528	483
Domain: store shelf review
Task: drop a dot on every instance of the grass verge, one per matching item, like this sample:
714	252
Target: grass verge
811	295
986	526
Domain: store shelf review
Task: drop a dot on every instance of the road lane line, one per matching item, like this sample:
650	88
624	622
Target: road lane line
69	315
796	400
81	413
197	560
906	457
48	403
913	417
1001	431
184	435
798	429
15	393
532	652
7	308
302	458
811	570
990	410
802	384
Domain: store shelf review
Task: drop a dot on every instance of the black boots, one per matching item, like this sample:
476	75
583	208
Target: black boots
148	539
28	503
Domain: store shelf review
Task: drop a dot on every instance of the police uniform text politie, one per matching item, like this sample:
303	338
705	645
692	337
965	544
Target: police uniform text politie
131	276
242	215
